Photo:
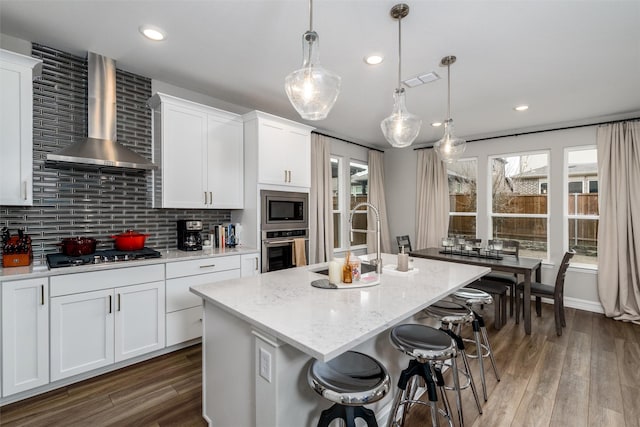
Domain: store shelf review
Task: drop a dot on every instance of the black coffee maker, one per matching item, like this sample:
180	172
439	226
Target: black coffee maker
189	235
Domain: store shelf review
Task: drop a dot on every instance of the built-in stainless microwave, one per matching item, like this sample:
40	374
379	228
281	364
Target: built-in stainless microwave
284	210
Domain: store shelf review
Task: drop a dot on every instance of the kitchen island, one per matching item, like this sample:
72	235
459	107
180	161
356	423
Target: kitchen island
260	333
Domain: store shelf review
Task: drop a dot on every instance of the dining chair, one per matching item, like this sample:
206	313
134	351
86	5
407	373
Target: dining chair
540	290
497	279
403	241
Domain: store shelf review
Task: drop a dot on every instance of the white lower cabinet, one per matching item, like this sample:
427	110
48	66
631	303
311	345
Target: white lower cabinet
105	324
250	265
25	335
184	309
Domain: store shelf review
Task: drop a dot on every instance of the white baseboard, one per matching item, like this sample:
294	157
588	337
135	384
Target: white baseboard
580	304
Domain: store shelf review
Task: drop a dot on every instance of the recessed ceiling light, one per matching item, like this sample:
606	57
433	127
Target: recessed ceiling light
436	124
373	59
521	108
152	33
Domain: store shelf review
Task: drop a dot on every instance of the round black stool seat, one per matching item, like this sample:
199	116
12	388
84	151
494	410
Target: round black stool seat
423	342
450	312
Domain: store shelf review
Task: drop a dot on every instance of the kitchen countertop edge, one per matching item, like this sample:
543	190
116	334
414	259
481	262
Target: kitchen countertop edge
172	255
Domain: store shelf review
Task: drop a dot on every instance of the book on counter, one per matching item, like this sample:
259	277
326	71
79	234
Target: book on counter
225	236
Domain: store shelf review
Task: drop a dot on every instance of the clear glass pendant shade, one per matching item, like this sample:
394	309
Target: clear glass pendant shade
312	89
401	128
450	147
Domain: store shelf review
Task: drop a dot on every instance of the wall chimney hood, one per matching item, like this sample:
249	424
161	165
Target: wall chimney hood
100	149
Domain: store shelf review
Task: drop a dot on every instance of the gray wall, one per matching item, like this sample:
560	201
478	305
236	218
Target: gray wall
72	202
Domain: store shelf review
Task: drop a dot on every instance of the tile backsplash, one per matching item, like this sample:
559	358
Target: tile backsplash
77	202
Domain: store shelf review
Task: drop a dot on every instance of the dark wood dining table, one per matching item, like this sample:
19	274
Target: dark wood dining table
510	264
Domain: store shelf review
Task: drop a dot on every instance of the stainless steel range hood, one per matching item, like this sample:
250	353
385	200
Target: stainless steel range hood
100	149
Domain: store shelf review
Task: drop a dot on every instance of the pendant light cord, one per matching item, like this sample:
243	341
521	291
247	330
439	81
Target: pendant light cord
449	91
399	50
310	15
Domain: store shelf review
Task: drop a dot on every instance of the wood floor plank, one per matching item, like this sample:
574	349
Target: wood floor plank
537	403
572	402
603	392
630	396
628	355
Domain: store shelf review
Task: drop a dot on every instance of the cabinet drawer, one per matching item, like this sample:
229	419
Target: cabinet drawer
178	295
184	325
204	265
97	280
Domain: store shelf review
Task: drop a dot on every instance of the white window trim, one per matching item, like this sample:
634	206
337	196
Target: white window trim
470	214
340	209
348	203
491	214
565	207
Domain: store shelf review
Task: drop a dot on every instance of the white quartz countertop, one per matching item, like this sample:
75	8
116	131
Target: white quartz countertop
171	255
324	323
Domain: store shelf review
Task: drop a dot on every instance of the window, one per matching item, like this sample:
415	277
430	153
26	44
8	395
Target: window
581	209
518	208
575	187
359	192
462	178
336	193
346	194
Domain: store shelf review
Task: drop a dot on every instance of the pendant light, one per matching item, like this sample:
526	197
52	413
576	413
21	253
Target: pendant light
401	127
450	147
312	89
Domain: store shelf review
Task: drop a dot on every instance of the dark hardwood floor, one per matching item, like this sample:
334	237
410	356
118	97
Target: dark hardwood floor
590	376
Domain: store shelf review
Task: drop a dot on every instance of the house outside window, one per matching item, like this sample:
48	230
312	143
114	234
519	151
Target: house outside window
358	192
581	207
336	198
518	208
462	178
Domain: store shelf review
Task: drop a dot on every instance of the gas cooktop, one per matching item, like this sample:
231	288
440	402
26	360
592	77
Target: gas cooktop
100	257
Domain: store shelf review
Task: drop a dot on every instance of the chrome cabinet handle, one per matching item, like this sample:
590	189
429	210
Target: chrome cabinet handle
119	302
210	197
110	304
207	266
41	294
256	263
285	176
24	186
205	197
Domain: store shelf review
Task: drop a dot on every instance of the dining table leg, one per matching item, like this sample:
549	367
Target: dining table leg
526	302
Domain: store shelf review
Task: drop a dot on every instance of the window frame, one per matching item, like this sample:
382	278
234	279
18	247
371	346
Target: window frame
491	215
359	212
565	205
467	214
340	198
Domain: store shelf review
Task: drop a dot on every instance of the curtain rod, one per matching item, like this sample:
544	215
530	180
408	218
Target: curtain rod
348	142
542	131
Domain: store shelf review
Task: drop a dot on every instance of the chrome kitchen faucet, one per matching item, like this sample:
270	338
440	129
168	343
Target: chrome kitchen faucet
378	261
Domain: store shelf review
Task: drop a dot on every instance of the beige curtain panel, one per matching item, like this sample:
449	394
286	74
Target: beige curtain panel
619	225
320	204
432	200
377	199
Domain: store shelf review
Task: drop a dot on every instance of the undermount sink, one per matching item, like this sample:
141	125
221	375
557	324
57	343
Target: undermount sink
364	268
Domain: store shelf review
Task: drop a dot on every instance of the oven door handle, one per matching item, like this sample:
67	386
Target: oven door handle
277	242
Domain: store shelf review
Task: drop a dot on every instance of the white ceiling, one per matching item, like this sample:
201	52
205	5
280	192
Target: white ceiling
568	60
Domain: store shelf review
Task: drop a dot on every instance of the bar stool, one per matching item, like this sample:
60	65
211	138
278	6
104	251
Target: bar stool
472	297
452	316
350	380
429	348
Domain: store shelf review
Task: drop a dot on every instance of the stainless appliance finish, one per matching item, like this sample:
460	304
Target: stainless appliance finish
101	149
277	248
284	210
378	261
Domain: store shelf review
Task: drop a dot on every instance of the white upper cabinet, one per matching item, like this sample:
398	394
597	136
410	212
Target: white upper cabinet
282	147
200	153
16	128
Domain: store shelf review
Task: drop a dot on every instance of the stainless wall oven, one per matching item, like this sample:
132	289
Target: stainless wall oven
284	217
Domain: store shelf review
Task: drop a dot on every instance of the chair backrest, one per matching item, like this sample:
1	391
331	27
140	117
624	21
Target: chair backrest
559	289
404	241
509	247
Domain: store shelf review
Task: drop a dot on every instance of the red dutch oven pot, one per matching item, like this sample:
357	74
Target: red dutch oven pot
130	240
77	246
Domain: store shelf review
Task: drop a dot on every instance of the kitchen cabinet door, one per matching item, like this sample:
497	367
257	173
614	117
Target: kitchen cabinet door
25	335
250	265
139	319
225	171
200	153
184	157
16	128
284	156
82	327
